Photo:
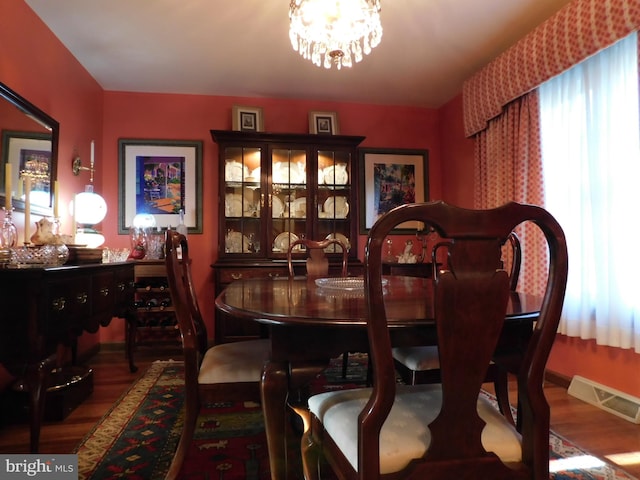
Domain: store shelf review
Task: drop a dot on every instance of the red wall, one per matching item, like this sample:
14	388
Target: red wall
39	68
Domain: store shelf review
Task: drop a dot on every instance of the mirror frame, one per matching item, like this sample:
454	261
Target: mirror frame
48	122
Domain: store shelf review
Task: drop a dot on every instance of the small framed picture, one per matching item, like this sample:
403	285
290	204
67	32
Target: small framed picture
247	119
323	123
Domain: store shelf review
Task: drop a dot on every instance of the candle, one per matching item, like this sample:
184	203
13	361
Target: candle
92	153
7	186
55	199
27	208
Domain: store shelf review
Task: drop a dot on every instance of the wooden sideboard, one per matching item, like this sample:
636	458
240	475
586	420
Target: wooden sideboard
45	310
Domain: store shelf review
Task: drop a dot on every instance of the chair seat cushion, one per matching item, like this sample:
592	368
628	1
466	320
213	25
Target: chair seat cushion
418	359
234	362
405	434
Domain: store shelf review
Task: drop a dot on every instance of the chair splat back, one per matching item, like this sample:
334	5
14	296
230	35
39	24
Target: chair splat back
317	263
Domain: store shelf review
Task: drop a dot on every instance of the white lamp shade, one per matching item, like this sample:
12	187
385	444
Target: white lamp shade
91	239
91	208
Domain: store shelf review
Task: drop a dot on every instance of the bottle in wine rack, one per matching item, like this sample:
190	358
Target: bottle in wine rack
152	303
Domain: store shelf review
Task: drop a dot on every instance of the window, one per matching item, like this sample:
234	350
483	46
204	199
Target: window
591	161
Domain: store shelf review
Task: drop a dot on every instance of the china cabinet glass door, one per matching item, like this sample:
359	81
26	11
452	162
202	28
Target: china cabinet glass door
288	198
243	200
334	199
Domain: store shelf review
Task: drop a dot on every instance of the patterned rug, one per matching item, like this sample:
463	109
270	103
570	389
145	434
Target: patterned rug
136	438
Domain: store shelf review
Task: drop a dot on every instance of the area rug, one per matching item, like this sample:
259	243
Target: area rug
137	437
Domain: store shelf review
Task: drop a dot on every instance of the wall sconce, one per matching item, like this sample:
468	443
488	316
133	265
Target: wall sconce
76	164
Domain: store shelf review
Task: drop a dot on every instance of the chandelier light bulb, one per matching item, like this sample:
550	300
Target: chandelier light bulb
338	30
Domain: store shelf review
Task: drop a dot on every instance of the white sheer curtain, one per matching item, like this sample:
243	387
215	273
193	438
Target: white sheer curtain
591	162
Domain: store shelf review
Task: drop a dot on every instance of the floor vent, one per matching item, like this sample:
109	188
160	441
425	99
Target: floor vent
606	398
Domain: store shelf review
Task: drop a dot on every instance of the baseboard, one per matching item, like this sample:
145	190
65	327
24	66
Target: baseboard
557	379
112	346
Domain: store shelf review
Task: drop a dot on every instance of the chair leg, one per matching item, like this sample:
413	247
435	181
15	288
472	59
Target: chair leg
309	451
501	385
188	430
345	364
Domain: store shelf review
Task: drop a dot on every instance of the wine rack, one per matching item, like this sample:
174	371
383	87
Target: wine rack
155	318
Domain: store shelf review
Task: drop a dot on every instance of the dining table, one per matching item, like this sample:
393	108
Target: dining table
309	321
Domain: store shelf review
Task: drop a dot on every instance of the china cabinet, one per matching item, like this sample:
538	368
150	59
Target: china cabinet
274	189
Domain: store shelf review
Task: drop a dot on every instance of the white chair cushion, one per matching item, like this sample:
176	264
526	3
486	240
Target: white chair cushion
234	362
405	434
417	358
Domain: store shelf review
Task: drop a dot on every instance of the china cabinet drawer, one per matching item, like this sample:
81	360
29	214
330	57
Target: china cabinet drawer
226	276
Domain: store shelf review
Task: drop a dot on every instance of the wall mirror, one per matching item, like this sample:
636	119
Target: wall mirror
29	143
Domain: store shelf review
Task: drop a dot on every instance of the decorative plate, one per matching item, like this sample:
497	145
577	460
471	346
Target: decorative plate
235	205
336	175
282	241
340	205
235	171
277	207
333	248
298	208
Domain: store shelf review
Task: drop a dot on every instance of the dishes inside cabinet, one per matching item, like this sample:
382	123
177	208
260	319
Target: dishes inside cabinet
298	208
336	175
236	242
337	205
235	205
334	248
286	172
235	171
277	207
282	241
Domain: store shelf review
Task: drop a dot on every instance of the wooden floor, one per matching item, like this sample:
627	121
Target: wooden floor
596	431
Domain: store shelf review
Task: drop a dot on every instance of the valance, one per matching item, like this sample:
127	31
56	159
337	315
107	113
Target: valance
578	30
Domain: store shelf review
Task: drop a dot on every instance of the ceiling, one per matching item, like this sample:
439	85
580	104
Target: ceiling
242	47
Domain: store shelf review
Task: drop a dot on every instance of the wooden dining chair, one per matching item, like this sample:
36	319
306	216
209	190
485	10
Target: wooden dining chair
317	265
421	364
224	372
451	429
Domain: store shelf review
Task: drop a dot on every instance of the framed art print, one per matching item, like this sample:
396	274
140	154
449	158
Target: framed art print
160	177
391	177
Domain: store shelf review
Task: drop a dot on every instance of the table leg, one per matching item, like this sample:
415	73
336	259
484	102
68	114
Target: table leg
279	380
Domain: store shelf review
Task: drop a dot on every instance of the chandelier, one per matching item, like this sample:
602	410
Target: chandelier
341	30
